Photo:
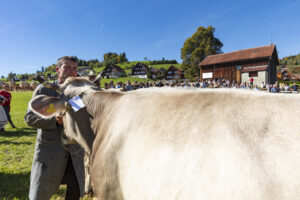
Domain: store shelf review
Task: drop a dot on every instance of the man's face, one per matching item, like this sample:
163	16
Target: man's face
68	69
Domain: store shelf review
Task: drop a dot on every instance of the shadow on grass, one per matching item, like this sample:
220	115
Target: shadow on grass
18	132
14	186
15	143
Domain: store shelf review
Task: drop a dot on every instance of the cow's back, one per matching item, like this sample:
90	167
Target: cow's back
175	144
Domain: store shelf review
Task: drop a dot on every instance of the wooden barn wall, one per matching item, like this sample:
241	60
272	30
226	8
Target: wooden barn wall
228	70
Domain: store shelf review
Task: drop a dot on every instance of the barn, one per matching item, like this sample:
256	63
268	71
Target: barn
258	63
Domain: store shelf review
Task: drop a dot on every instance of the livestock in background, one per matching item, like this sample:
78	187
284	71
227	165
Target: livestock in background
184	144
33	85
24	86
12	85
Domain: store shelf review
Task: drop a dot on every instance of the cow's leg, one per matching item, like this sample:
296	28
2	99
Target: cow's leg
88	185
105	176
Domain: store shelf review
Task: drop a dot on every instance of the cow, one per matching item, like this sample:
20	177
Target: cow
24	86
33	85
12	85
176	143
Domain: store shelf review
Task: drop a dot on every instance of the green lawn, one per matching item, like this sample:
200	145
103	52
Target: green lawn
16	153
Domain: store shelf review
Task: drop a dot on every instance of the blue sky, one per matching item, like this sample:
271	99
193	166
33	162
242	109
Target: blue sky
34	33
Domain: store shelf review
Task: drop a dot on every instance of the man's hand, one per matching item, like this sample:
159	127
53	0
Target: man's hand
59	119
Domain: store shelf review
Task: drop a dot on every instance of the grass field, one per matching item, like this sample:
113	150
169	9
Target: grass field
16	153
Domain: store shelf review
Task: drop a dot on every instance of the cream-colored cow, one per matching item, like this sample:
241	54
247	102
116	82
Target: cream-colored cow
160	144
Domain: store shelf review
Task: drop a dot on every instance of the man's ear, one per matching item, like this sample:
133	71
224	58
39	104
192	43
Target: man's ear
46	106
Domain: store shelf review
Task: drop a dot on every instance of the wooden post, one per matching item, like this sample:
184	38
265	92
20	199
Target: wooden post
238	76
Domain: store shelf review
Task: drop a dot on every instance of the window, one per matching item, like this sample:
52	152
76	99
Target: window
253	74
238	67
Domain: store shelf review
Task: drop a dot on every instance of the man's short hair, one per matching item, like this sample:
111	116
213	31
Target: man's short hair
63	59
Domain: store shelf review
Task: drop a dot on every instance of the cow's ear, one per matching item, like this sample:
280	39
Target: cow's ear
46	106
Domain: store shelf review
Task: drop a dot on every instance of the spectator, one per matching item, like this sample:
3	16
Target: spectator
275	89
262	85
6	104
3	117
251	82
256	88
227	83
106	86
111	85
160	84
119	85
287	87
269	87
128	87
295	87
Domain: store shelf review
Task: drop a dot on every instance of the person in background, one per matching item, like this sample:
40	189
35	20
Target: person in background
3	117
111	85
55	163
274	89
251	82
287	87
256	88
6	104
128	87
295	87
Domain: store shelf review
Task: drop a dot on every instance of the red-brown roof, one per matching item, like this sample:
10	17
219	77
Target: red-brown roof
246	54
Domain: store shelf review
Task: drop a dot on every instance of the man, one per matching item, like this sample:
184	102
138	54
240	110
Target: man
54	163
274	89
6	105
251	82
295	87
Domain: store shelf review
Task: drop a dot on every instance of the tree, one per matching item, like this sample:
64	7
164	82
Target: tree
114	58
10	76
201	44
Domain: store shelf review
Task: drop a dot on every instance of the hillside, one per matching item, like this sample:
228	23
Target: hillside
128	65
290	60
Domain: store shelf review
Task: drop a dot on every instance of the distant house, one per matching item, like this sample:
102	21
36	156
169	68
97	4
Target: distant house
82	71
140	70
258	63
174	73
156	73
113	71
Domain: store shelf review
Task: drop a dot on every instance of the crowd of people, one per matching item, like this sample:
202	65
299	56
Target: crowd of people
209	83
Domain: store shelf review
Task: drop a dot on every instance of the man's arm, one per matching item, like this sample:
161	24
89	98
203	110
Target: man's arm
35	121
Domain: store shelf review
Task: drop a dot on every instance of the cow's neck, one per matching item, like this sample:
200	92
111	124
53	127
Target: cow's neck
99	107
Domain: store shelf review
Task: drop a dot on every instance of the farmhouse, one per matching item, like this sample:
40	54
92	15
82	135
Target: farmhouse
82	71
258	63
140	70
156	73
174	73
113	71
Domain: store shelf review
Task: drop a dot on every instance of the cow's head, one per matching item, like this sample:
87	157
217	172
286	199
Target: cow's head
77	125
